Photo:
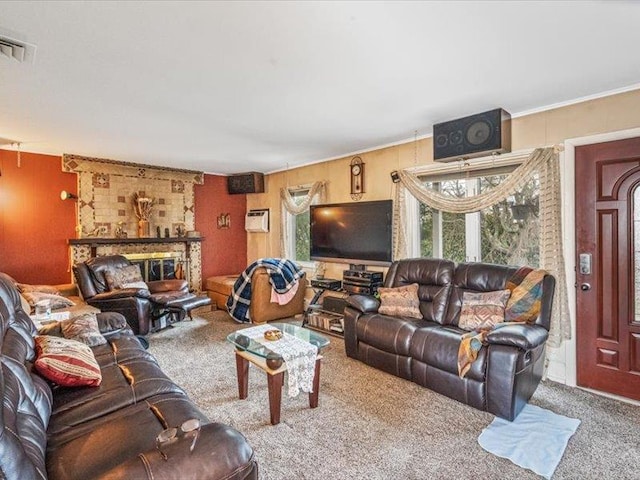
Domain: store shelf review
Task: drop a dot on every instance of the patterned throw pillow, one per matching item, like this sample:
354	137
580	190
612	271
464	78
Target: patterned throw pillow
55	301
25	288
116	279
400	301
83	328
66	362
482	309
526	295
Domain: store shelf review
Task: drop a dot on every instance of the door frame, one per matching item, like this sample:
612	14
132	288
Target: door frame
566	355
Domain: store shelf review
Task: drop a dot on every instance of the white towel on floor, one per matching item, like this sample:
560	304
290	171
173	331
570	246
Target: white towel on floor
535	440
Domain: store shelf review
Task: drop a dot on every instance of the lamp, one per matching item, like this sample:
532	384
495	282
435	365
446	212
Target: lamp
64	195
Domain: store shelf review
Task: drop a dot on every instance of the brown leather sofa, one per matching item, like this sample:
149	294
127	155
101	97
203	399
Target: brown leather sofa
104	432
143	308
425	351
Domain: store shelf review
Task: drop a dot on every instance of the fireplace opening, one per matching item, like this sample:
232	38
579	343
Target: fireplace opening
160	265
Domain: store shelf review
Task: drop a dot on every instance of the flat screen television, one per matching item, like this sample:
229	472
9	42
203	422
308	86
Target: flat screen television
357	233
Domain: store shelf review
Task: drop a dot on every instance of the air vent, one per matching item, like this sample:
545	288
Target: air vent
22	52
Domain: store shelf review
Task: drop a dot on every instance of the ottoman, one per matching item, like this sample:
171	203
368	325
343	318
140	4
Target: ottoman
219	288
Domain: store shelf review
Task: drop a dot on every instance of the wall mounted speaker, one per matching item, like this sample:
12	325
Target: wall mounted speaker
252	182
474	136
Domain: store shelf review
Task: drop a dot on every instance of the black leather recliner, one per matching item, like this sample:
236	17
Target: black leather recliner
505	374
143	308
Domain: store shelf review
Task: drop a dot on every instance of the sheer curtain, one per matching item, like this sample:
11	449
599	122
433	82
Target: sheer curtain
544	162
289	205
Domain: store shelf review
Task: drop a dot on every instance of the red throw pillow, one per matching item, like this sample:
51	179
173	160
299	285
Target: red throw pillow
66	362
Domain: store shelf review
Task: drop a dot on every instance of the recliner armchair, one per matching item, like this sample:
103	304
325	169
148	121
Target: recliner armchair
143	308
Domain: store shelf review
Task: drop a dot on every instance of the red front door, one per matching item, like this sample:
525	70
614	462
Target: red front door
608	266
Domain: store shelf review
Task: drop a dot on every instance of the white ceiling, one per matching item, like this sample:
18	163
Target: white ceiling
228	87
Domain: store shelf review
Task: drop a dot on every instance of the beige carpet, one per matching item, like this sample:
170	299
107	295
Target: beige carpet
371	425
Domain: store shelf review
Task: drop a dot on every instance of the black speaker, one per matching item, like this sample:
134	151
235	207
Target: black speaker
473	136
334	304
252	182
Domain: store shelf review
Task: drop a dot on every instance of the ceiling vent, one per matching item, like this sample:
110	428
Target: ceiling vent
20	51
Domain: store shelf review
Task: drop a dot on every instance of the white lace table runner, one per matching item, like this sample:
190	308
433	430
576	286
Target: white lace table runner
299	356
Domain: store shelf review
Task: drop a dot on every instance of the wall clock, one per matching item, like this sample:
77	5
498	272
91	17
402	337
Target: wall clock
357	178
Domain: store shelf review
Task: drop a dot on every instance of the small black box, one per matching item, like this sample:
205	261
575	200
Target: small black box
362	274
326	283
369	289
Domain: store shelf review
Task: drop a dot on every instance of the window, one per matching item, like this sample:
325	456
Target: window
506	233
299	230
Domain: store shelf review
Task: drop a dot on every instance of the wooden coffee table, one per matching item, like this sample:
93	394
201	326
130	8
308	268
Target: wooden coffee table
251	351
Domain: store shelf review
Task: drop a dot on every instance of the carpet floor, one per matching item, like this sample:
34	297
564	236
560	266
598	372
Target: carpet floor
372	425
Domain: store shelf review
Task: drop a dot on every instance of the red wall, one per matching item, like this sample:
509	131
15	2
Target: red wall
224	251
35	223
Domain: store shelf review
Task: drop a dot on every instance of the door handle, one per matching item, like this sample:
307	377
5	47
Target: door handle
585	287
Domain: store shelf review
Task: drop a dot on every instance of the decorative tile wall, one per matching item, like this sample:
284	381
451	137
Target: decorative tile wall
105	200
106	188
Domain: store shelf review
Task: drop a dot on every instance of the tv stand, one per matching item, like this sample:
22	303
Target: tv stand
322	317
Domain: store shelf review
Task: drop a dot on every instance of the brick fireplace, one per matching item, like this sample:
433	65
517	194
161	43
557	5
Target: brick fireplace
184	251
106	190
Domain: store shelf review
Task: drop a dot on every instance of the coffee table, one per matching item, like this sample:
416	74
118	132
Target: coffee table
251	351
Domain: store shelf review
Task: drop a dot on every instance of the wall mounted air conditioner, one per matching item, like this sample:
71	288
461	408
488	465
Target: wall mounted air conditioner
257	220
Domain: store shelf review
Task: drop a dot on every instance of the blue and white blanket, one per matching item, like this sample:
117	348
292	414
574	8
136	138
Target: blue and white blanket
283	275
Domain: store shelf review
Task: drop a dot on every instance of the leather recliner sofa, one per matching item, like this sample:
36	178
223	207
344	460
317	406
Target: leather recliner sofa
108	431
505	374
141	307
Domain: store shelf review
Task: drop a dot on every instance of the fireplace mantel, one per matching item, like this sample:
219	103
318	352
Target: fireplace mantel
113	241
94	242
84	248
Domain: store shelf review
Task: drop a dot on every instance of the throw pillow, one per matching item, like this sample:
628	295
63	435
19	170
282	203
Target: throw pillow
526	295
400	301
83	328
26	306
66	362
118	277
55	301
24	287
482	310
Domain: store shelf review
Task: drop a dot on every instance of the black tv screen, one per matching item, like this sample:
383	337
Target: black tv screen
356	233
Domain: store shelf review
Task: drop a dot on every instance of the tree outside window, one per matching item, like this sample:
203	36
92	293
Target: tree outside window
507	233
300	229
303	237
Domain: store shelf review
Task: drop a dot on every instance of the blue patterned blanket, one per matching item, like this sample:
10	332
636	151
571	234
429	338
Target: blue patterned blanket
283	275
